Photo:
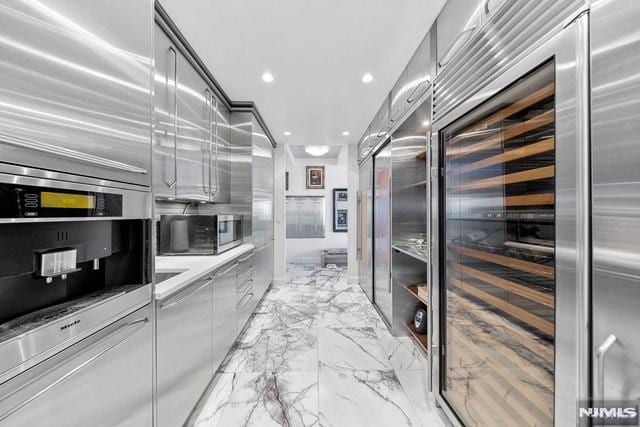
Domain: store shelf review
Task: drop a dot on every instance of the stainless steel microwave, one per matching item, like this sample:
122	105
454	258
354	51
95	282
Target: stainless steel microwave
198	234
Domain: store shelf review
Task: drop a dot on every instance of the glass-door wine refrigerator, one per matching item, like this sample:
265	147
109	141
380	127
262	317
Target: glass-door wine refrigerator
512	248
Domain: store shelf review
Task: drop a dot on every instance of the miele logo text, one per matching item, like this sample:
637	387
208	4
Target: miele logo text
610	413
68	325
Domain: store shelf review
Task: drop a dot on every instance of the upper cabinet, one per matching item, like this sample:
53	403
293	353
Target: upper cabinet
459	21
75	93
413	82
220	156
191	146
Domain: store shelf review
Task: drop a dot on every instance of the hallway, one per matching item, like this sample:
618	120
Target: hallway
316	353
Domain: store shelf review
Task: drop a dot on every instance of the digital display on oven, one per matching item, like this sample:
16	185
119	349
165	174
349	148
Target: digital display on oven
67	200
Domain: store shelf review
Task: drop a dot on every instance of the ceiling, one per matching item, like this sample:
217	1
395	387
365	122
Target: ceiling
317	52
298	152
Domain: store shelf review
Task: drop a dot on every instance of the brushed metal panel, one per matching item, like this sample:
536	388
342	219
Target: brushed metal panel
221	160
224	311
262	176
365	225
615	126
382	231
108	377
184	351
75	93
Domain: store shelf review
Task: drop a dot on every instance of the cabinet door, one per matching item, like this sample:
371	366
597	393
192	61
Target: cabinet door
194	119
184	351
224	312
165	103
262	176
103	381
75	92
418	72
220	166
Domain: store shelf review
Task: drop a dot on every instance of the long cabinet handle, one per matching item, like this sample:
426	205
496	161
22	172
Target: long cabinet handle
222	273
134	326
217	170
246	258
206	189
601	354
72	154
451	51
164	306
250	295
175	117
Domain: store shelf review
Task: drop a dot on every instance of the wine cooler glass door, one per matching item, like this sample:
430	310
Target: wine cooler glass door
500	256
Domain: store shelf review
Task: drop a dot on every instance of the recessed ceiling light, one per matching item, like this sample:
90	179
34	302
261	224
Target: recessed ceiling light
367	78
267	77
346	133
287	133
316	150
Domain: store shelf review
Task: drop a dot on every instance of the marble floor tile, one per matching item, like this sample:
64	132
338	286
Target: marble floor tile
211	413
351	349
402	352
363	399
273	399
416	386
261	350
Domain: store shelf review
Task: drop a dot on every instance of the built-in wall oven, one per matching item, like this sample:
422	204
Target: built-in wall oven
198	234
75	293
513	232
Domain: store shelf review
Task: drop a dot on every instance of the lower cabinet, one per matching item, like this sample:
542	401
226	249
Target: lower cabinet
105	378
246	293
184	349
224	311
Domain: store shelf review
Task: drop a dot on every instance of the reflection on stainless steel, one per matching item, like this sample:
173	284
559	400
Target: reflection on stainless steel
615	126
365	229
83	103
382	231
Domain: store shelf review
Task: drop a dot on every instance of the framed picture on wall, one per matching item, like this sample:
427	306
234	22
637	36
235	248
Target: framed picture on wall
286	181
315	177
340	210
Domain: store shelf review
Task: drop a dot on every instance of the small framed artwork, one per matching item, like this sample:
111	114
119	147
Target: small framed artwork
340	210
315	177
286	181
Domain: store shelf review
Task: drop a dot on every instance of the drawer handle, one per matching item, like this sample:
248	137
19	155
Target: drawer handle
246	258
248	284
68	153
250	295
222	273
186	297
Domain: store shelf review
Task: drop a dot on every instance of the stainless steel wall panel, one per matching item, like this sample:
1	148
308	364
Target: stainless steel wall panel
365	229
75	93
615	126
382	232
262	176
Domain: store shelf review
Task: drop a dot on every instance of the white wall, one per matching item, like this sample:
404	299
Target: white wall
308	250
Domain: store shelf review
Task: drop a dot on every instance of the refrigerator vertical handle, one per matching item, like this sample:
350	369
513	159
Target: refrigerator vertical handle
359	227
601	354
175	117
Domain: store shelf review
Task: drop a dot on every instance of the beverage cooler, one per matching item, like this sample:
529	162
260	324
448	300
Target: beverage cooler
512	230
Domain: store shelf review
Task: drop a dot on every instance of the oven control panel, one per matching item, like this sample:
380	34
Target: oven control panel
20	201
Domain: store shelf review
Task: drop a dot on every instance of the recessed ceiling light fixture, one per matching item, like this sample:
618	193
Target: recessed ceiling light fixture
346	133
367	78
286	133
316	150
267	77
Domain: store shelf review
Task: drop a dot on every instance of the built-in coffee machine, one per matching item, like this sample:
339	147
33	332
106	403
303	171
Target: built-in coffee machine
75	288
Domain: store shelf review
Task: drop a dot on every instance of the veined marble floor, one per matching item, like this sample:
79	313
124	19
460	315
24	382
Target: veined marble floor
316	353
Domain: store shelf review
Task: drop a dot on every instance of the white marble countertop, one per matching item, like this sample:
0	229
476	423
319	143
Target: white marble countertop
191	268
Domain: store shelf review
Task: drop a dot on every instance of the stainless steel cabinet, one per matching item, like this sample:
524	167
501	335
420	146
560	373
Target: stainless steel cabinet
382	231
224	311
457	23
413	82
615	128
220	160
263	268
194	133
103	381
262	186
365	229
75	93
184	351
246	291
165	144
381	125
